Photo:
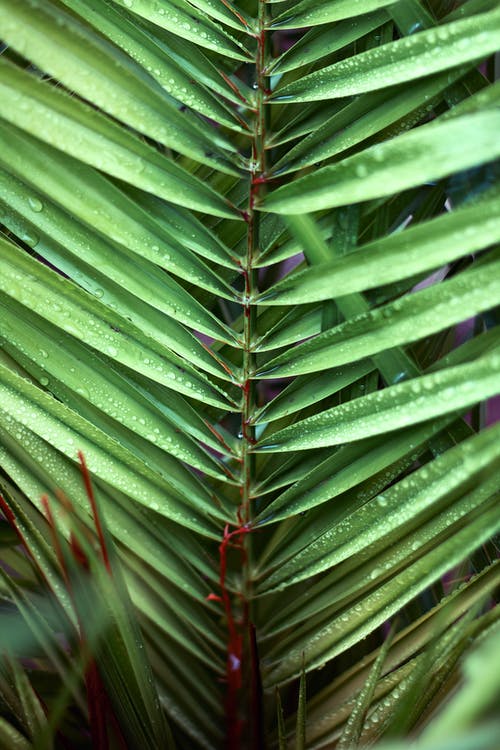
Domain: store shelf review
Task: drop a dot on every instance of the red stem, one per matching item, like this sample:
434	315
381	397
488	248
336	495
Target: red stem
234	672
95	513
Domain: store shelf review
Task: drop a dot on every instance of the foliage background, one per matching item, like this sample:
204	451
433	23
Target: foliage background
250	269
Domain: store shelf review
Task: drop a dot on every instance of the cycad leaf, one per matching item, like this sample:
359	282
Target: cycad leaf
453	389
30	410
97	74
356	621
225	12
88	320
318	43
283	415
354	726
68	368
197	64
476	697
93	199
400	322
417	249
33	715
372	524
135	42
350	465
10	737
132	162
305	391
309	13
430	152
189	24
129	286
366	116
406	643
406	59
109	627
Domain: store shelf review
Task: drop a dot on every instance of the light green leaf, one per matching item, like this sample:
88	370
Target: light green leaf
477	697
184	227
415	250
366	116
193	26
98	203
97	70
446	391
197	64
63	365
26	407
133	40
303	392
300	323
413	57
429	152
425	491
40	289
165	330
11	738
407	319
318	43
309	13
105	146
225	12
131	277
355	622
416	636
346	468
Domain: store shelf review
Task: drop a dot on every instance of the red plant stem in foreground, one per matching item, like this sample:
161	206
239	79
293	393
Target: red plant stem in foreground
96	700
97	521
236	628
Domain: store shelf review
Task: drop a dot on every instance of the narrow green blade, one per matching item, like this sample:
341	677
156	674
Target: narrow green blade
444	392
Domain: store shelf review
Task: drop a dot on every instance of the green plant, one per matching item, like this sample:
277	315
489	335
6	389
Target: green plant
240	242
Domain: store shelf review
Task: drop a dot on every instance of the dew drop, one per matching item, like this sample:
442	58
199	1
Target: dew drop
30	239
35	204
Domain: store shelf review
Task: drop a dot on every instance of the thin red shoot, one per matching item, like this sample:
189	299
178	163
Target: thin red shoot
234	675
96	700
95	513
